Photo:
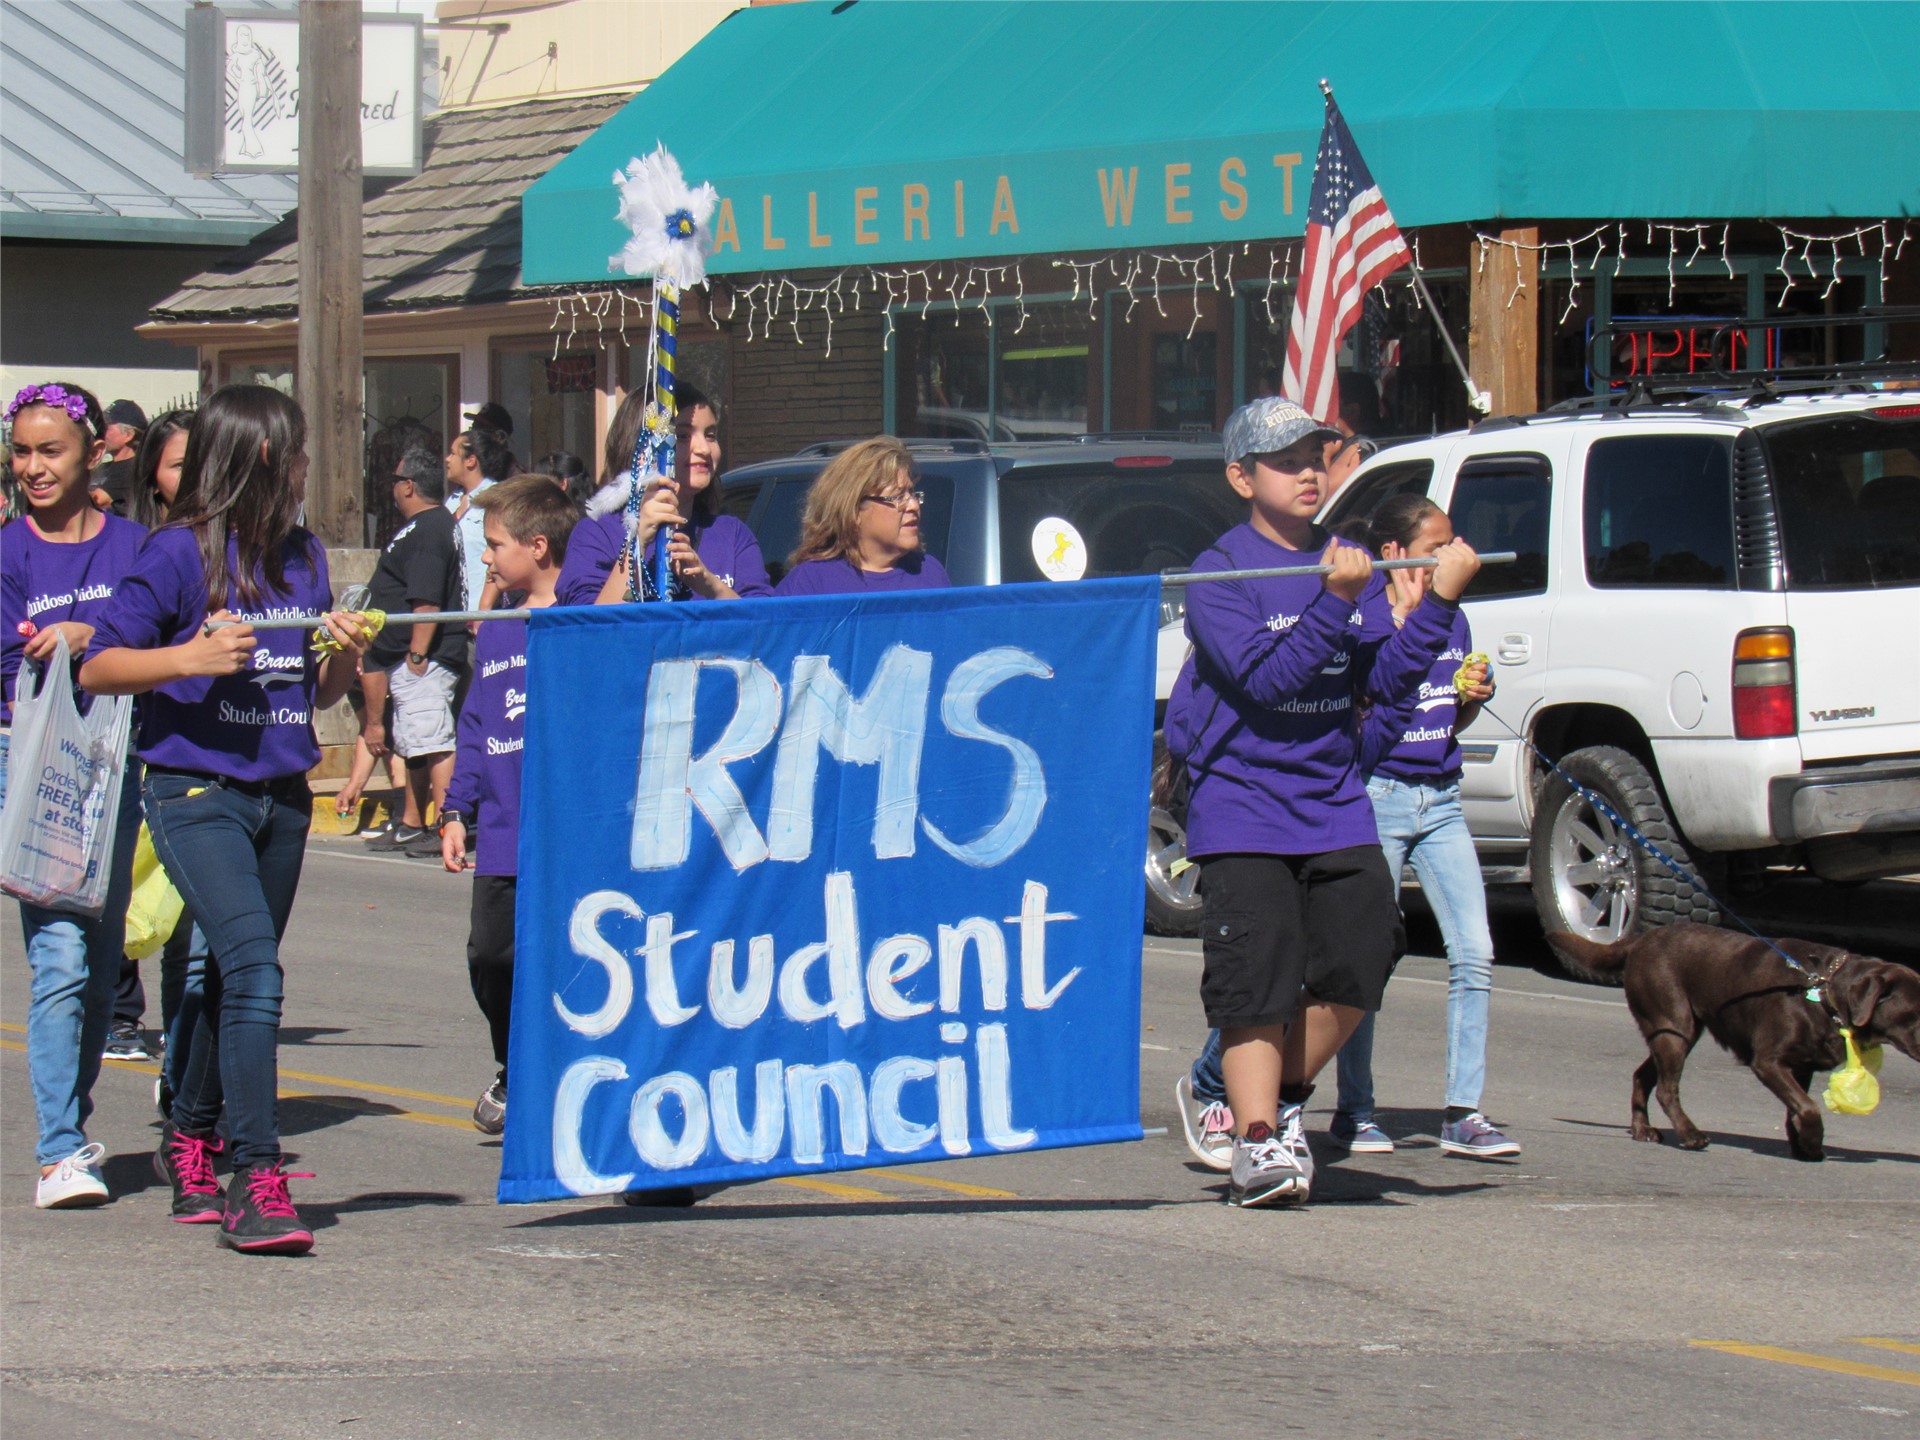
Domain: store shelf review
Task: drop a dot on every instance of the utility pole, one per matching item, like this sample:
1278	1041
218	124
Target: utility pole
331	341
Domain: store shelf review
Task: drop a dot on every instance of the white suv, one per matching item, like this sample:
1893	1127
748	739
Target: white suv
1714	623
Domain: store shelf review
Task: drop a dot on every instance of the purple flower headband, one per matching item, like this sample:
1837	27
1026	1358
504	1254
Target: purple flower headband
59	397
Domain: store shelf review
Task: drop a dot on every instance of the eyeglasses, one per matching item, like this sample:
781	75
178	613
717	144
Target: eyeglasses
900	499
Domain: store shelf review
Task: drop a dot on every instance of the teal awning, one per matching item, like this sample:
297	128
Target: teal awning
902	130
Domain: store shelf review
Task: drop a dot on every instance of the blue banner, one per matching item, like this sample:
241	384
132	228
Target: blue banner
816	884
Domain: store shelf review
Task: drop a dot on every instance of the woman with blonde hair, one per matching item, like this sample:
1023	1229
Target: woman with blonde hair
861	528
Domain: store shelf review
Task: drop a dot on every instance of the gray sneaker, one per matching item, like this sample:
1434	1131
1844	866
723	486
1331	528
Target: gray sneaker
1208	1126
1361	1137
1293	1136
1265	1173
1475	1135
490	1110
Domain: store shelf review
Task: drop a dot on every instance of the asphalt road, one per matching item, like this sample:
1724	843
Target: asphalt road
1594	1288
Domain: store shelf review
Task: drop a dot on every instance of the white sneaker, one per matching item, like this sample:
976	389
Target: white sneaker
1209	1128
1265	1173
1293	1137
75	1182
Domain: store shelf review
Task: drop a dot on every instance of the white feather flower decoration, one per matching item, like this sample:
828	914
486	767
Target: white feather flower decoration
669	220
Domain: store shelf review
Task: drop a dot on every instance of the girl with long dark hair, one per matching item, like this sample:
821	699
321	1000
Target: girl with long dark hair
157	468
60	560
714	556
227	736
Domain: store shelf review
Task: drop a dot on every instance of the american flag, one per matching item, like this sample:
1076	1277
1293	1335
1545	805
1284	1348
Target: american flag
1352	245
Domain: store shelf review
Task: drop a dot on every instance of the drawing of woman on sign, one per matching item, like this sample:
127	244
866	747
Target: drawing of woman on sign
249	89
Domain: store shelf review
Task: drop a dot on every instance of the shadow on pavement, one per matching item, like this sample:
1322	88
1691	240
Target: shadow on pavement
612	1212
309	1035
1756	1145
320	1216
303	1114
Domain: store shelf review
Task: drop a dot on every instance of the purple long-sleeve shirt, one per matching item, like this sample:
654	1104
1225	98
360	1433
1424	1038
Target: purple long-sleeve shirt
43	582
492	734
840	576
1263	711
724	544
1426	749
257	725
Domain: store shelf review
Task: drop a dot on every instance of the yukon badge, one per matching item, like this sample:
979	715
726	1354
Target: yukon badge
1851	712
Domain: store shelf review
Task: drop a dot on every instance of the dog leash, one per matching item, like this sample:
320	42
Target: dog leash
1690	878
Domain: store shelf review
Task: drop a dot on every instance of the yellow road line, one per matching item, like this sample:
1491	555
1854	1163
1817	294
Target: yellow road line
979	1192
1811	1362
395	1112
1882	1343
374	1089
367	1085
827	1187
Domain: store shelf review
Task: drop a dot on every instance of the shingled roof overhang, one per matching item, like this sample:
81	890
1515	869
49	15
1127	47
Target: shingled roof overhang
447	237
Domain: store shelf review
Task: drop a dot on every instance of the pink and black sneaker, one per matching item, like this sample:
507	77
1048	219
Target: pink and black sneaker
259	1217
185	1161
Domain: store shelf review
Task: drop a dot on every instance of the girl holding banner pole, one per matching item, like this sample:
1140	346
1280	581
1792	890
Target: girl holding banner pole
714	556
227	735
59	562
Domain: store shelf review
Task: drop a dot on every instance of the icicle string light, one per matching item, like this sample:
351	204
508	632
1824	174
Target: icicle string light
1158	277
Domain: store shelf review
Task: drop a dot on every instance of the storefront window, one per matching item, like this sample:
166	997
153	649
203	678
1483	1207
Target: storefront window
956	377
275	373
1396	377
1185	383
1041	376
408	402
551	399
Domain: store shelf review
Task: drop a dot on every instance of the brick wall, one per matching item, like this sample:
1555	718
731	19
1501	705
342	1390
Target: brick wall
786	394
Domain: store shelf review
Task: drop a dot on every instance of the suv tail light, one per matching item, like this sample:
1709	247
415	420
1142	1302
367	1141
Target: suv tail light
1143	462
1763	688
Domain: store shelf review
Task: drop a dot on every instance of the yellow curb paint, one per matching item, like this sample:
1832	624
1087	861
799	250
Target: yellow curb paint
979	1192
1811	1362
827	1187
1882	1343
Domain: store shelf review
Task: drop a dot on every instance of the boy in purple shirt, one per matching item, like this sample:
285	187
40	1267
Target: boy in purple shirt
1300	928
860	531
528	524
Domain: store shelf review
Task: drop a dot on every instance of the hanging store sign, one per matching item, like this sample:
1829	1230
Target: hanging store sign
243	92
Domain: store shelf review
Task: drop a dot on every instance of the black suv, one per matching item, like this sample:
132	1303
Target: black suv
1143	503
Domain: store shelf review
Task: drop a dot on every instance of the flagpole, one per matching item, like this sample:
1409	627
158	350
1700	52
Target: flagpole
1477	399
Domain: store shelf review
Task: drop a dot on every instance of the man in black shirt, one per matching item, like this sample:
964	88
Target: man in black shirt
420	666
112	479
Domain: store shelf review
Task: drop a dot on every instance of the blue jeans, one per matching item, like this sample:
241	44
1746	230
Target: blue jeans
1422	824
234	852
76	963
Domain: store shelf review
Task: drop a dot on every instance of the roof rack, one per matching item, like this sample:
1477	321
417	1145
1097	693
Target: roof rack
1172	437
960	446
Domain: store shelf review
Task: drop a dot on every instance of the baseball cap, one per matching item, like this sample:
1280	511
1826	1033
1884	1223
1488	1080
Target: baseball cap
492	416
1269	425
125	412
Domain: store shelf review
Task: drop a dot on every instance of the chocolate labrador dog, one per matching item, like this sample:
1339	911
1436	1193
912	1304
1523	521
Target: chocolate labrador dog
1685	979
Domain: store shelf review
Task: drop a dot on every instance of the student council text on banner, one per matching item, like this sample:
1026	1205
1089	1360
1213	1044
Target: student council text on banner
809	885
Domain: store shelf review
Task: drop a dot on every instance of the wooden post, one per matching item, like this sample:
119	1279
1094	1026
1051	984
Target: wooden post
1503	345
331	342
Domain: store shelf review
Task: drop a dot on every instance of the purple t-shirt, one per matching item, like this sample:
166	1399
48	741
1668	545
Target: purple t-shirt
724	544
486	765
1426	750
1263	711
840	576
45	582
257	725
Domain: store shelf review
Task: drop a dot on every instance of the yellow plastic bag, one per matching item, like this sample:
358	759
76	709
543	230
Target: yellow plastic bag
1852	1090
155	907
1460	675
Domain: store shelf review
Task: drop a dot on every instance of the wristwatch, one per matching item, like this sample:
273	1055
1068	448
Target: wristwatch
414	657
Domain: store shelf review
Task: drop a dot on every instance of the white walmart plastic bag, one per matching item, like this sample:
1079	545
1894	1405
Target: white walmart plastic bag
64	773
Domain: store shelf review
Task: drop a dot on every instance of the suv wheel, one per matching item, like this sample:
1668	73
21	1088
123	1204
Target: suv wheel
1589	876
1173	892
